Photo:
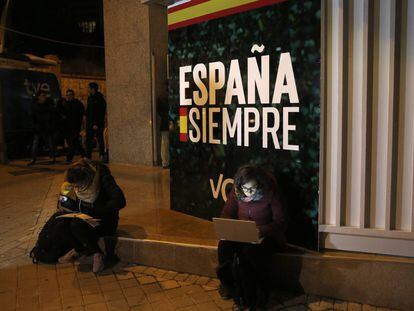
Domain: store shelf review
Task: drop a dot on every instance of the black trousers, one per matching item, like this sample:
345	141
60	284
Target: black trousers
83	237
74	145
78	234
255	256
90	134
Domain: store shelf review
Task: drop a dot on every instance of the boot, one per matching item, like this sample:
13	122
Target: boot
226	292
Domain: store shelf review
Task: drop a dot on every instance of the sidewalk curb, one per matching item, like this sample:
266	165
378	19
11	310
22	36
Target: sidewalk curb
181	257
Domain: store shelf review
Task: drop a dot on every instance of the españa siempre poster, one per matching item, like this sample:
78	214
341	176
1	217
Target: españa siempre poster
244	88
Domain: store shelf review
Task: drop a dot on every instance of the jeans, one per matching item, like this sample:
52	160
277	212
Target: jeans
90	134
48	139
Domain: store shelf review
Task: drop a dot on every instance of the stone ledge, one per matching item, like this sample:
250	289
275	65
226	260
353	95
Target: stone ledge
168	255
384	283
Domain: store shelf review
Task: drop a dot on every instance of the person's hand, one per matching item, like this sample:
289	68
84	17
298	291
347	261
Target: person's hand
95	127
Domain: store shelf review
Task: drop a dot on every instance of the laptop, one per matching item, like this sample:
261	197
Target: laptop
236	230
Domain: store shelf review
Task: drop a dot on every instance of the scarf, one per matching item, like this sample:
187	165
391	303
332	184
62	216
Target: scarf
89	194
256	197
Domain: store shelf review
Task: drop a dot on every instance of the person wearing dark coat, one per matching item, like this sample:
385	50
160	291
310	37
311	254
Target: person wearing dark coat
254	197
92	190
44	125
71	112
95	120
162	110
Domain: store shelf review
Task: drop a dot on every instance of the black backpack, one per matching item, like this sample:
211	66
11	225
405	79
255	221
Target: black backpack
49	247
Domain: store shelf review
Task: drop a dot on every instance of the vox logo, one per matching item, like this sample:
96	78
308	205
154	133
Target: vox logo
220	187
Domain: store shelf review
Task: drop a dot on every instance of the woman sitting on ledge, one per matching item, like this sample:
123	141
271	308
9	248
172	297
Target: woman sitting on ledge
254	197
89	189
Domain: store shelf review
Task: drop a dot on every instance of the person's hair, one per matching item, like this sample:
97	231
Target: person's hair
94	85
81	173
40	92
70	91
266	183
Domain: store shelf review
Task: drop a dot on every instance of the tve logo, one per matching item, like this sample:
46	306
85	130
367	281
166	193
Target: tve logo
32	87
221	185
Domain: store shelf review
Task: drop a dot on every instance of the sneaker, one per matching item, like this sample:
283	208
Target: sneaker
98	262
68	257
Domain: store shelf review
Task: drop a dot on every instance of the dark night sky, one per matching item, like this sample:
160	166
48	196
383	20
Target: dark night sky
58	20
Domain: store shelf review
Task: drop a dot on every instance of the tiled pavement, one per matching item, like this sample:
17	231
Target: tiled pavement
28	198
74	287
23	196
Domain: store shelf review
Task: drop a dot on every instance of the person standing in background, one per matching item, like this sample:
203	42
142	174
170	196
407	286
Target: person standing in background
95	120
163	109
72	112
44	125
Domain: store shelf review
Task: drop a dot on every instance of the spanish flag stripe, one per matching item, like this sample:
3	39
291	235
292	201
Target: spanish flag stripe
212	9
185	5
183	124
204	8
183	111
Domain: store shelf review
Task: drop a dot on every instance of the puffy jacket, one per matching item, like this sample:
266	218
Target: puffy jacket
106	207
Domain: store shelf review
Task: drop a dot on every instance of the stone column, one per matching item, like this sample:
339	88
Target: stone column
133	33
3	151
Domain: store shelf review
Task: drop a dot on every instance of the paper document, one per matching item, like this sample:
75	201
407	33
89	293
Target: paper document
90	220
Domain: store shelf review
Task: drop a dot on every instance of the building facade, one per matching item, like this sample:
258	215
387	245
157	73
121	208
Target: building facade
367	146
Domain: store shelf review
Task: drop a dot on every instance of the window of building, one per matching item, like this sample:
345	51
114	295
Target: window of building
87	26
